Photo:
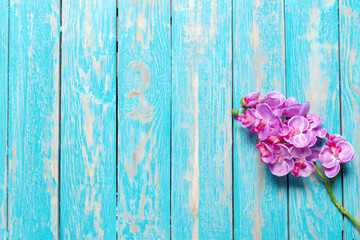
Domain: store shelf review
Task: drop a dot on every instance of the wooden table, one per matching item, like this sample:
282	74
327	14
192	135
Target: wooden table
115	117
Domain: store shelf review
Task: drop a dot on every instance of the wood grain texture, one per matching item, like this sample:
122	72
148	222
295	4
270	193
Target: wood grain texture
260	199
313	75
88	124
350	96
33	119
201	120
3	115
144	119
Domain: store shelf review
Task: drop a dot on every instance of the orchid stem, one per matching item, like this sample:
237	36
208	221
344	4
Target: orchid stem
328	187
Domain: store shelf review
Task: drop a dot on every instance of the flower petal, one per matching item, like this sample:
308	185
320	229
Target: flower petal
274	99
300	140
326	157
314	156
298	122
281	168
290	101
347	151
308	170
300	152
314	120
263	111
264	133
282	150
297	110
319	132
331	172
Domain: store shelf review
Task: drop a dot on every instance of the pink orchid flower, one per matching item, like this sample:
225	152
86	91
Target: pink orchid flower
248	119
265	119
299	135
335	152
251	99
282	164
304	157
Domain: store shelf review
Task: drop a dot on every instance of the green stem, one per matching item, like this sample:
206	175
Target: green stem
328	187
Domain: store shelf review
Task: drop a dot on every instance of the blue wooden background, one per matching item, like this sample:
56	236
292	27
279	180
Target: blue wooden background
115	117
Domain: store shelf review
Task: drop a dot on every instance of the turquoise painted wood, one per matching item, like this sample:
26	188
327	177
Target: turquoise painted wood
201	120
116	124
88	120
313	75
33	120
3	116
144	78
350	102
260	199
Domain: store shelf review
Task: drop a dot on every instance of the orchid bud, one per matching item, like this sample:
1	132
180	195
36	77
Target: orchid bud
242	101
235	112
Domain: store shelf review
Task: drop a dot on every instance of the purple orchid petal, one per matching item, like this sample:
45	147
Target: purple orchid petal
278	112
300	140
252	96
298	122
297	110
326	157
252	99
337	138
314	156
266	152
264	133
347	152
313	140
274	99
281	168
282	150
331	172
263	111
300	152
314	120
307	170
319	132
290	101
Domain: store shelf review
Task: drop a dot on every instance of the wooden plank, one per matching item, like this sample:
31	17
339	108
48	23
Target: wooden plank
88	124
313	75
260	199
201	120
33	119
350	99
4	18
144	119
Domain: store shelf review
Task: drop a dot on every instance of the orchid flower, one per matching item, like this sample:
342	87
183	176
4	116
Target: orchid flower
288	139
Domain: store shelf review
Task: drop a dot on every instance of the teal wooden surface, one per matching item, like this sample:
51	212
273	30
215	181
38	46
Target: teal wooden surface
144	97
3	116
350	102
201	123
88	120
260	199
313	75
33	120
139	143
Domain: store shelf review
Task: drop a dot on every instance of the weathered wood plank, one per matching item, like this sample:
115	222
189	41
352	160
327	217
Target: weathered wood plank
33	119
144	119
313	75
201	120
260	199
88	124
3	115
350	96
